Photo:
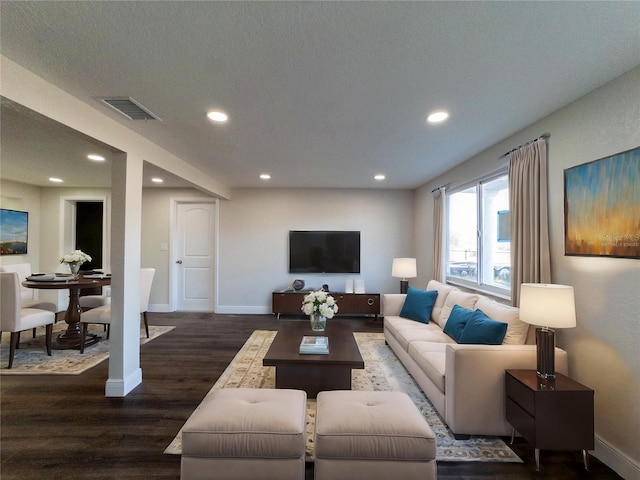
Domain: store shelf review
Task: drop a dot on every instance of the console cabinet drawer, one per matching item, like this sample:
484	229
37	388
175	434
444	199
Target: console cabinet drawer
348	303
360	303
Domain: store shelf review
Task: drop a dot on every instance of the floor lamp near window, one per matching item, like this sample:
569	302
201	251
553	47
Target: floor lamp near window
404	268
548	306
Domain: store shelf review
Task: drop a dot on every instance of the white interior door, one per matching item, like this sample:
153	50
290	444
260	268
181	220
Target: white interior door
194	256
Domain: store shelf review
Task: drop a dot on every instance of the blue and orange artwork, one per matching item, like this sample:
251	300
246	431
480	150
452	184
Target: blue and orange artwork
602	207
13	232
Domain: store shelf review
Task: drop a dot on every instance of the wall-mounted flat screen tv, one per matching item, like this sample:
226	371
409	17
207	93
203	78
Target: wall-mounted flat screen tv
324	251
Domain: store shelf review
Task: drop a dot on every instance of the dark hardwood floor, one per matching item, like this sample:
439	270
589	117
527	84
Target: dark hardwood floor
63	427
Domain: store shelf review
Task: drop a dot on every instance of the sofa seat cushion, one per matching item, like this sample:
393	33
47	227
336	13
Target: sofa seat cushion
430	357
517	330
406	331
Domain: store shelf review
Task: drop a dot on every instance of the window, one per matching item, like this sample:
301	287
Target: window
478	247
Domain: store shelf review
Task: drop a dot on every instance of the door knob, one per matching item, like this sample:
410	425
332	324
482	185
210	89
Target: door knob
179	262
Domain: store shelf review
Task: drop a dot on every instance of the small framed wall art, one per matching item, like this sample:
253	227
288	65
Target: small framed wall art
14	227
602	207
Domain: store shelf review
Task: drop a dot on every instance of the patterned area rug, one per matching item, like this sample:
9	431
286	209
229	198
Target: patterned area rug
383	371
32	359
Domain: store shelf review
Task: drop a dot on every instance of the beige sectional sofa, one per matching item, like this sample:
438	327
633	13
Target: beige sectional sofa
465	382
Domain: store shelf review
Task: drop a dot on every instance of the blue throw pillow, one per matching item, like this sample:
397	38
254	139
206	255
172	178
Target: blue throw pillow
481	329
418	304
458	319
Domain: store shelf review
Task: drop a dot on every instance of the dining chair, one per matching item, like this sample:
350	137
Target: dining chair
27	295
88	302
14	318
102	315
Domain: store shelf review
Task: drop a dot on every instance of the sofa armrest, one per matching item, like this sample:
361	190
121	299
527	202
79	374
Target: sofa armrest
392	304
474	384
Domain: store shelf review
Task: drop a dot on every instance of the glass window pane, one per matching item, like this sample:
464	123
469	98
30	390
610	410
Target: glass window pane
463	235
496	256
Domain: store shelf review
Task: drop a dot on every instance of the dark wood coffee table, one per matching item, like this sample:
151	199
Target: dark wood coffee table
314	373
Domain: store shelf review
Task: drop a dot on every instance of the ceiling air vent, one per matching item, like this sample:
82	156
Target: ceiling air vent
131	109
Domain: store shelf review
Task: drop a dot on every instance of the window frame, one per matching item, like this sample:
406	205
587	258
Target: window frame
477	284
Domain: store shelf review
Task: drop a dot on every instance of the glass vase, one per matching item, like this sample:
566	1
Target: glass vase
75	269
318	322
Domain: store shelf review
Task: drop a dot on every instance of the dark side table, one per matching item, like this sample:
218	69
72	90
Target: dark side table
550	414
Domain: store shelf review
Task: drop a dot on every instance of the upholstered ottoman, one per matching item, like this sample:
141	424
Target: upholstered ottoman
364	435
241	433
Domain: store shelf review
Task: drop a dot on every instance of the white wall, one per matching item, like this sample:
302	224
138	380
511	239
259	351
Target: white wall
604	347
254	227
17	196
156	222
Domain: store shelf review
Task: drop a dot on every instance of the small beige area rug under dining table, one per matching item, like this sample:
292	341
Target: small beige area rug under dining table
32	359
383	371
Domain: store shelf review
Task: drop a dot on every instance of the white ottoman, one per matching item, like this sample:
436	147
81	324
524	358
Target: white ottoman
367	435
241	433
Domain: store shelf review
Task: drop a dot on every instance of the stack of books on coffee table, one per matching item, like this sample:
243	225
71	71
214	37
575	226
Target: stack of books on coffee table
315	345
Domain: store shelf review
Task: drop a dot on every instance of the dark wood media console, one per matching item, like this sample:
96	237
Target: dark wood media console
290	302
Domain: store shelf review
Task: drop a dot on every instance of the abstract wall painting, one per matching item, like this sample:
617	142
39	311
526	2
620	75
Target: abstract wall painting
14	226
602	207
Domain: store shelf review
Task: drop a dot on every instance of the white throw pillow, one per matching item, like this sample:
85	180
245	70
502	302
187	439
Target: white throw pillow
456	297
443	291
516	329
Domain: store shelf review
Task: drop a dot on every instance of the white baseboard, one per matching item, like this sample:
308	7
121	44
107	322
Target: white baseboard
242	310
159	307
119	387
622	464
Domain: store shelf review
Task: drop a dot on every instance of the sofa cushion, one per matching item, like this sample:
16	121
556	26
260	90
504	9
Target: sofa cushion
480	329
430	357
443	291
516	329
456	322
406	331
456	297
418	304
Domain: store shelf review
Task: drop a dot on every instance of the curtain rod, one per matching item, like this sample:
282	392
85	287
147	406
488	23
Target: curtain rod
544	135
441	186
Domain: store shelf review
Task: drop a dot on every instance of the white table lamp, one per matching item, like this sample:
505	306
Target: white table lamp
548	306
404	268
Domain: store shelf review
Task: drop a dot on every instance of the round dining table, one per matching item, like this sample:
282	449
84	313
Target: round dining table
70	338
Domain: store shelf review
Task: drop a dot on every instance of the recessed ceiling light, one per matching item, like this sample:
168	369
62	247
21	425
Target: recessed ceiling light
217	116
265	176
379	177
55	180
96	158
437	117
157	180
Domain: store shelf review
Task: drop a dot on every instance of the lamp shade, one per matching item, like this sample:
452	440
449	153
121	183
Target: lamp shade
547	305
404	268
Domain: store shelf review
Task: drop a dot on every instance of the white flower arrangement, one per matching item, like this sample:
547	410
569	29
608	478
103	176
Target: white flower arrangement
77	257
319	302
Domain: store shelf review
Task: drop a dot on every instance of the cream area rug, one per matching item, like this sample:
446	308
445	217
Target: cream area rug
383	371
32	359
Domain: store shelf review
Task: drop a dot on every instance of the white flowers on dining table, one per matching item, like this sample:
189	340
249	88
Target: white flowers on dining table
319	302
77	256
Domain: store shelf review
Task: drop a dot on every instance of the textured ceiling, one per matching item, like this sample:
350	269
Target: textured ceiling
325	94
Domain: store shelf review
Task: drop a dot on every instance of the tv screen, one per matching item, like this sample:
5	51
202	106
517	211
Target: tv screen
324	251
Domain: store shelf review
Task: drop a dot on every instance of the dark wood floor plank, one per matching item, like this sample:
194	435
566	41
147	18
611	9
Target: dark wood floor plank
62	427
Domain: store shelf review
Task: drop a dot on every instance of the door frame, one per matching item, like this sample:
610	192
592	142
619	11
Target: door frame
173	254
68	224
67	232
